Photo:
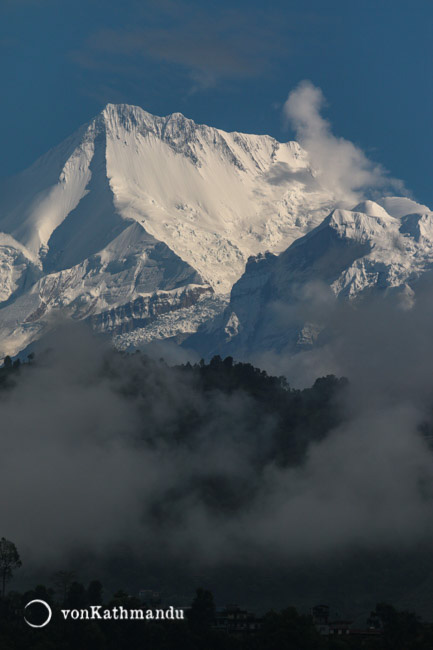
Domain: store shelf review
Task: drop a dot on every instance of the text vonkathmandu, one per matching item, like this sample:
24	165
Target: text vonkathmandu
122	613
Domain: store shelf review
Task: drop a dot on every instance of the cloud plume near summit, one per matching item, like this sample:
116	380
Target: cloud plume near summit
340	165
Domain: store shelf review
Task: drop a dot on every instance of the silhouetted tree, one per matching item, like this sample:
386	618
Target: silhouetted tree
40	592
288	630
202	612
401	629
94	593
9	560
62	580
77	596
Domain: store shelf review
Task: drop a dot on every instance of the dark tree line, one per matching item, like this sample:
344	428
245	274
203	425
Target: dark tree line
291	418
283	630
288	419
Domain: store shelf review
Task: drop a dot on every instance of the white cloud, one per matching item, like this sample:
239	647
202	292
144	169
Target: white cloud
340	166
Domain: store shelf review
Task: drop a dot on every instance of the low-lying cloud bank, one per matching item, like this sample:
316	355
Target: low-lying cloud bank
88	463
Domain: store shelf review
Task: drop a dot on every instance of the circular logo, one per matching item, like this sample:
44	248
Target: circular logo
49	613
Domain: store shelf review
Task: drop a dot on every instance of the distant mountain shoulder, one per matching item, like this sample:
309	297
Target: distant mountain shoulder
351	254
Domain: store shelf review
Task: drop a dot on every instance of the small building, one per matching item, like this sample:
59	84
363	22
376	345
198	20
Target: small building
320	615
149	597
341	627
234	620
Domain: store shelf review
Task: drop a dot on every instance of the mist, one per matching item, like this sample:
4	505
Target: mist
370	483
90	466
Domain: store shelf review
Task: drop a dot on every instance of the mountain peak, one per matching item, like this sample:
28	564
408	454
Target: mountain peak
133	110
400	206
359	225
178	117
372	209
123	109
208	200
130	111
127	116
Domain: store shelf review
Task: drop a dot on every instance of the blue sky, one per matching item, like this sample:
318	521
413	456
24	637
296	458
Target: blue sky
227	64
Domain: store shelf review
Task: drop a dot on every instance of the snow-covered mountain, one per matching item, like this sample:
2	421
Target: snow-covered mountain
143	224
277	304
